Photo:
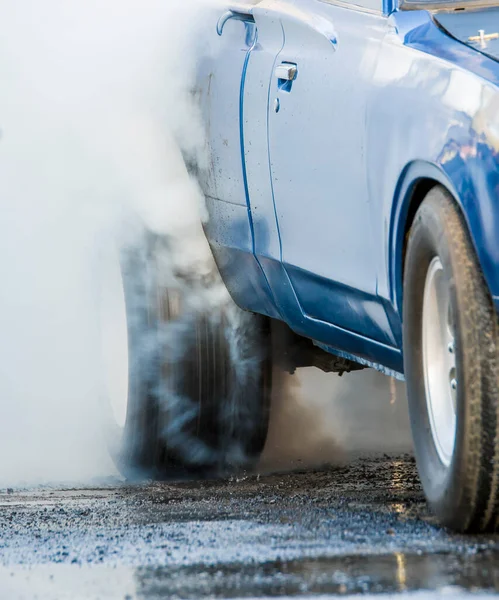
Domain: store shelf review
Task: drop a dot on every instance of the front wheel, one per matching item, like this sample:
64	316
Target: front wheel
197	396
451	362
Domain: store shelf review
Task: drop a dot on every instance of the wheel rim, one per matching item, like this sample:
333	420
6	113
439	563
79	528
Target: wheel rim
439	361
114	337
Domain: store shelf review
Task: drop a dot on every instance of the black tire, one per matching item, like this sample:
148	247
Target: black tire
464	493
199	378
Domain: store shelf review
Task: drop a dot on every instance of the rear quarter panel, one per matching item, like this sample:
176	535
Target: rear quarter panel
433	114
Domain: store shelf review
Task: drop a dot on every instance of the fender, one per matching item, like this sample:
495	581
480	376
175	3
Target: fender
413	173
475	193
460	150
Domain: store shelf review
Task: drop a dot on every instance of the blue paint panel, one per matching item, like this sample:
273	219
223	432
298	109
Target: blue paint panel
432	116
329	185
389	6
319	172
326	333
259	73
348	308
220	77
229	233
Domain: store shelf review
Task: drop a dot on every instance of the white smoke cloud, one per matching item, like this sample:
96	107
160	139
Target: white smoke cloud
95	113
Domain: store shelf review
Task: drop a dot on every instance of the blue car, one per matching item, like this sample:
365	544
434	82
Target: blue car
353	196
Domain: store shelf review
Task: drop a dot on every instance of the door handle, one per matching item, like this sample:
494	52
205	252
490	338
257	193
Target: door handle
240	12
286	72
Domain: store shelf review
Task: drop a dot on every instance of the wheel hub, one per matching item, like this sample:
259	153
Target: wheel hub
439	361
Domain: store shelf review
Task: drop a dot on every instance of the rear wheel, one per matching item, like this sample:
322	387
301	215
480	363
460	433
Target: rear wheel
451	358
197	393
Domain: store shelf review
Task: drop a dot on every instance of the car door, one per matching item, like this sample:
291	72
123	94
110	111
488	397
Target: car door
219	90
320	86
218	80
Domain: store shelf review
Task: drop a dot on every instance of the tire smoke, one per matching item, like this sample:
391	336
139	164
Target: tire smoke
97	121
321	419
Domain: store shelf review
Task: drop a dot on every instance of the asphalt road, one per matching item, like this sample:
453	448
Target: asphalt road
349	525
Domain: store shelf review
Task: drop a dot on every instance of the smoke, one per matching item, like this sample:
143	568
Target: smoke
97	120
321	419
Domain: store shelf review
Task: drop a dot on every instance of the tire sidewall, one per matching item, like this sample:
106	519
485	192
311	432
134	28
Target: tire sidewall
429	239
228	425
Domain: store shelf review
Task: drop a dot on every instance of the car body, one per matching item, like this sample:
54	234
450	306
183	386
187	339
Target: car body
316	172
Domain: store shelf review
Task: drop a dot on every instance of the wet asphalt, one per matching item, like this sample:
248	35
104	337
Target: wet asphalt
339	524
344	530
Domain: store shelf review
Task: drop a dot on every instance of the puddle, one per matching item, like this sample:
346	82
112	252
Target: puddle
344	576
444	574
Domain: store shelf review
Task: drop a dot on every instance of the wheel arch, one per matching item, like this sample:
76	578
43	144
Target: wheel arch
416	180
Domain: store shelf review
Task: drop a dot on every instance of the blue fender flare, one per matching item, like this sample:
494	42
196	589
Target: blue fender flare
413	173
